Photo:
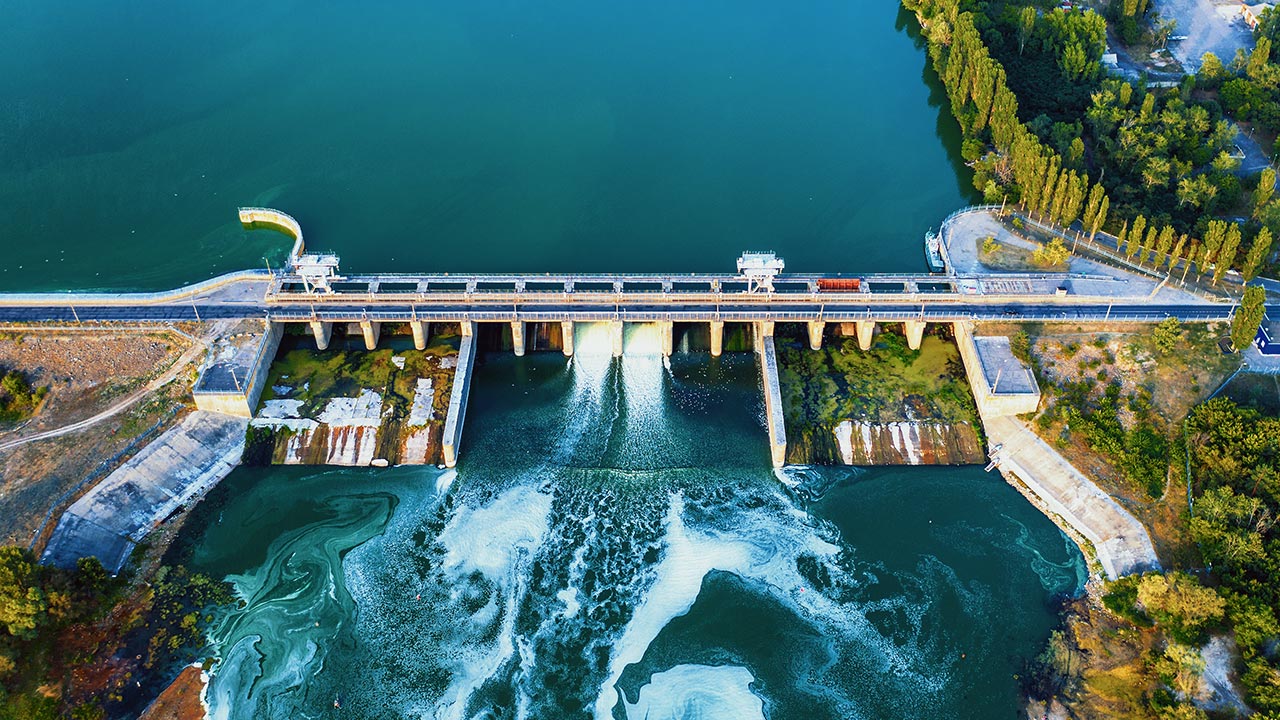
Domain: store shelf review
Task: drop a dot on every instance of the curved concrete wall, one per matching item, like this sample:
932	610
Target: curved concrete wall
284	222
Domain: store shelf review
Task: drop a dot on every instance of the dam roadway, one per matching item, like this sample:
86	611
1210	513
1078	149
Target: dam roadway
887	309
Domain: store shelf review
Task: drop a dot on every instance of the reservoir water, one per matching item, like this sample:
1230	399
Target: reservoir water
473	136
614	543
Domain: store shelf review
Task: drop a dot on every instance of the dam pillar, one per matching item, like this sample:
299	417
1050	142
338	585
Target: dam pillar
323	332
866	331
452	439
566	336
772	395
815	334
763	329
420	330
371	330
717	337
517	337
615	331
668	330
466	328
915	333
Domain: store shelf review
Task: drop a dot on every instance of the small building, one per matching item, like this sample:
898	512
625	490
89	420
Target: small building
1253	13
760	268
1264	340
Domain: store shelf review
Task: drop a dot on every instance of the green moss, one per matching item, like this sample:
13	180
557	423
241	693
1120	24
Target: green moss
887	383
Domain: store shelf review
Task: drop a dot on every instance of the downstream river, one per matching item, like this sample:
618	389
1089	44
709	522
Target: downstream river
614	543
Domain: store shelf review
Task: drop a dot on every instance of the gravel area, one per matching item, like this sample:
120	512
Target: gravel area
1212	26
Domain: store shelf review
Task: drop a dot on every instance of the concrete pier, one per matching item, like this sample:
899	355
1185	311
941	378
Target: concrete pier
458	397
668	329
815	334
866	332
420	332
915	333
370	330
566	337
761	330
517	337
615	330
772	395
717	337
323	333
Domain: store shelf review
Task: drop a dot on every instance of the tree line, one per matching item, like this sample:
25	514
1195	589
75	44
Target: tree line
1161	159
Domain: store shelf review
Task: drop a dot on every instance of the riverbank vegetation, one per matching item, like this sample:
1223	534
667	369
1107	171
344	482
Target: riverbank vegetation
1045	128
81	644
1167	645
18	399
1113	405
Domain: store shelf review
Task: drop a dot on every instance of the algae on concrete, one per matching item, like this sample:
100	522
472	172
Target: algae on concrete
307	389
888	391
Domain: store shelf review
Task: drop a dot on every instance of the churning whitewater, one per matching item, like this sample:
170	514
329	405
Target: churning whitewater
615	546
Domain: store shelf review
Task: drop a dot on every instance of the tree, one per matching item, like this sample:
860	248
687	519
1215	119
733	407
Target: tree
1167	335
1179	603
22	602
1100	217
1266	187
1026	25
1176	254
1181	668
1051	254
1248	317
1257	66
1163	244
1227	256
1257	254
1135	236
1212	72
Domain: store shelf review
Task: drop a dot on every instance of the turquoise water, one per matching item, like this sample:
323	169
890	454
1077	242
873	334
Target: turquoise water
614	545
478	136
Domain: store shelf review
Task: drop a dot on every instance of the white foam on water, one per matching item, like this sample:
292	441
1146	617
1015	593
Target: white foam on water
445	480
497	540
689	556
697	692
489	538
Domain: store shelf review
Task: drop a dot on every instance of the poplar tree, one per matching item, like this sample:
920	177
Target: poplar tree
1100	217
1163	244
1148	243
1244	324
1213	237
1266	187
1257	254
1135	236
1192	254
1176	254
1227	256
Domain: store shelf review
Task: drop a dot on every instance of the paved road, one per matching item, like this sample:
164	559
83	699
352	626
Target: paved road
780	311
